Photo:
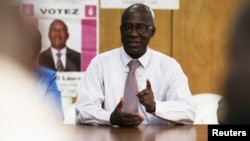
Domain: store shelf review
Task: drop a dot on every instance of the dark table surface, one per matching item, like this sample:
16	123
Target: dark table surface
141	133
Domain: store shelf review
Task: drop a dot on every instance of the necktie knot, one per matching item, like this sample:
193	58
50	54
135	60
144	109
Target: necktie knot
59	54
133	65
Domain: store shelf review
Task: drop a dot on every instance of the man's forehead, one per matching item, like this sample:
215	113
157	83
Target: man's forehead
140	9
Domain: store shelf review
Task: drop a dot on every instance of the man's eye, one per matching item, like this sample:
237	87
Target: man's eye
127	27
141	27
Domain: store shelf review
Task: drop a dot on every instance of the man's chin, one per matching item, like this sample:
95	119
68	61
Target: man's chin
59	45
134	45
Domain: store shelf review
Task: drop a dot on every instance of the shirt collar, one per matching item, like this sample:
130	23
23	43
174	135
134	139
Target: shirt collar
144	60
54	51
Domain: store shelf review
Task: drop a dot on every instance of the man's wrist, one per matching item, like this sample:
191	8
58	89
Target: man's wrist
152	110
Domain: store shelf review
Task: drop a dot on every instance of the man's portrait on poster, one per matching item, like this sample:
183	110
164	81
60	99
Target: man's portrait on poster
59	56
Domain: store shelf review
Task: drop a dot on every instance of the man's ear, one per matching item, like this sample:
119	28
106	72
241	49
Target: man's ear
121	29
153	29
67	35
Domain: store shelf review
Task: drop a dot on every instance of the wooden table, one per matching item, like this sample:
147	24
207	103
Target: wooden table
141	133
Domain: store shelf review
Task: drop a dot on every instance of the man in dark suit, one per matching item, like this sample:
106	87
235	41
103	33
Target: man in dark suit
68	60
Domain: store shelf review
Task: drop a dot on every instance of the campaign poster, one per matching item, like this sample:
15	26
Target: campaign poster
69	27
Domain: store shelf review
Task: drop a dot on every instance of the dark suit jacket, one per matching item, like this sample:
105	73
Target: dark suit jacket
73	60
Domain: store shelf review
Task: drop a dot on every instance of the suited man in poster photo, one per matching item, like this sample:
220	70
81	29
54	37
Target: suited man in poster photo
59	56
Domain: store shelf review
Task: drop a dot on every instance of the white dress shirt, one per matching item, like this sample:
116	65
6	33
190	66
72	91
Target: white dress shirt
102	87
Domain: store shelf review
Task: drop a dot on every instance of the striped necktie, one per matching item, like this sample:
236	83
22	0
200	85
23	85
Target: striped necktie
131	89
59	65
